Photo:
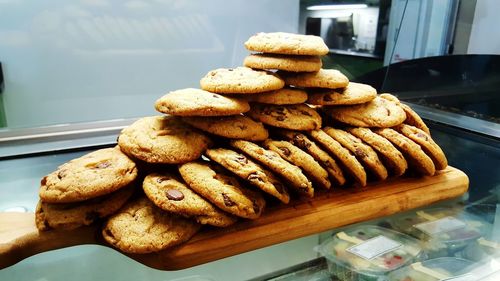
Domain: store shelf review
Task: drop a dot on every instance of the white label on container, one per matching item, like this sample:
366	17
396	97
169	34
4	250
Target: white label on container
374	247
441	225
464	277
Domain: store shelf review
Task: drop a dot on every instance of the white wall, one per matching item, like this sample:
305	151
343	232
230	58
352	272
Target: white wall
485	36
72	61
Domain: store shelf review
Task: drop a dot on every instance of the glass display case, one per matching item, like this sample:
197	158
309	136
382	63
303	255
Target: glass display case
59	61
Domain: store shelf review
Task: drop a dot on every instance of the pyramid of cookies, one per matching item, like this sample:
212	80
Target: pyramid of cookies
276	129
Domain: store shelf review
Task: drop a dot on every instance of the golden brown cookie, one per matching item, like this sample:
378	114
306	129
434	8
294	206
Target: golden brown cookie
349	162
92	175
283	62
426	143
393	158
240	80
378	112
73	215
232	127
196	102
222	189
294	117
354	93
413	153
321	156
287	43
279	97
324	78
412	118
170	193
363	152
301	159
162	139
272	160
140	227
250	171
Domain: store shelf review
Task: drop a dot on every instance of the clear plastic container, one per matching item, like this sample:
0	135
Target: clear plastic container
488	244
434	269
368	253
443	232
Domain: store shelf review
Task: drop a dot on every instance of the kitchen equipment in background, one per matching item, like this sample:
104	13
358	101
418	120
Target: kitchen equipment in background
346	29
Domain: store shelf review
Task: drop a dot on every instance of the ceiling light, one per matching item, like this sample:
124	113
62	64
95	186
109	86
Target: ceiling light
336	7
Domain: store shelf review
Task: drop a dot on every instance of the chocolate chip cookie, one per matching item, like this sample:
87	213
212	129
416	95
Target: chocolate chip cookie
240	80
412	118
287	43
140	227
349	162
391	156
301	159
354	93
73	215
272	160
196	102
426	143
294	117
171	194
250	171
92	175
378	112
363	152
279	97
324	78
283	62
413	153
321	156
162	139
222	189
233	127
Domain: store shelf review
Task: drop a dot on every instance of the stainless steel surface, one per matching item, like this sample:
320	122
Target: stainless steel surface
60	137
458	120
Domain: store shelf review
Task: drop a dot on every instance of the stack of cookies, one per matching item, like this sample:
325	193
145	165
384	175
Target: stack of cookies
250	137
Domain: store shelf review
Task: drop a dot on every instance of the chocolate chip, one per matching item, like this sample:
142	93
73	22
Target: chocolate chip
241	159
216	96
300	141
285	151
254	176
162	179
388	112
227	201
360	153
230	69
327	98
43	181
174	195
422	136
62	173
279	187
305	113
280	118
103	165
92	216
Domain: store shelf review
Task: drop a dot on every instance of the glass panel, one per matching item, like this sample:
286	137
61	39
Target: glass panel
89	60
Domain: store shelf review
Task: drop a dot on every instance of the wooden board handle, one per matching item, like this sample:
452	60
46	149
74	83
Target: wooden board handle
19	238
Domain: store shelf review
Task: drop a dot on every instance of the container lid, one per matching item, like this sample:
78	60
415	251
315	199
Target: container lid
444	225
370	250
446	268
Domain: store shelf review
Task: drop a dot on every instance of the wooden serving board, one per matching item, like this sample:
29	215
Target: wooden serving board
19	237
